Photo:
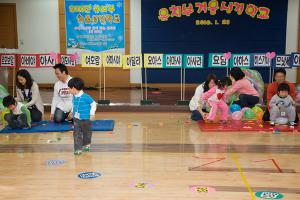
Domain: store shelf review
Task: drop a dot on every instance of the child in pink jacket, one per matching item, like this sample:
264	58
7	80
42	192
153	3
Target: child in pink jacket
215	98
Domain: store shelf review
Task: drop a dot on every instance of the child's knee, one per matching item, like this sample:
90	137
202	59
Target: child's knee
7	117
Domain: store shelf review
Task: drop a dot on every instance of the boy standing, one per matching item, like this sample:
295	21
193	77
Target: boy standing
84	108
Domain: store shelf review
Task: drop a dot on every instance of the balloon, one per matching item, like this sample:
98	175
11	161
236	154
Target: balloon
234	107
298	96
208	109
249	114
237	115
3	92
257	110
1	104
244	109
3	113
256	80
259	116
282	120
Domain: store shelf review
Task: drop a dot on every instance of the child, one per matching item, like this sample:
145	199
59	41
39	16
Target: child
215	98
84	108
19	116
282	105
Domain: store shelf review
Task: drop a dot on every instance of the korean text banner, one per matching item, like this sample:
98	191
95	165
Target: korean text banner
95	26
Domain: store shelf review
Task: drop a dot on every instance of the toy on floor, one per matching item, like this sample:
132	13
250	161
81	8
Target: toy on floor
256	113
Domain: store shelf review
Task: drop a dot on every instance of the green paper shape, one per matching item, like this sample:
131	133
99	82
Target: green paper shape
269	195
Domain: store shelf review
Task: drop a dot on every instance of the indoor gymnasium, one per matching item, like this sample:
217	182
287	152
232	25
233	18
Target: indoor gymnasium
149	99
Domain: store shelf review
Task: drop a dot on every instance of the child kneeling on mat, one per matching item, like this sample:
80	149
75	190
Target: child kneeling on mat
282	105
84	108
19	116
215	98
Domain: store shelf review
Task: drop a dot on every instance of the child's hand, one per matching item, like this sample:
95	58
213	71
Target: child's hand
92	117
204	115
70	116
293	102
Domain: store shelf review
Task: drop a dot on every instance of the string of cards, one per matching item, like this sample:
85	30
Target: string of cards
137	61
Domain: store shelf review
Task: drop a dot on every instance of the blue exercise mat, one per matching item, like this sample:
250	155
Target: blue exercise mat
48	126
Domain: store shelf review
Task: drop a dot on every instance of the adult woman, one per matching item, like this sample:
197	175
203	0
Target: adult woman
198	108
28	93
247	94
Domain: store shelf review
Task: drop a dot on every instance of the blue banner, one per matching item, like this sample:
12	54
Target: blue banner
95	26
207	26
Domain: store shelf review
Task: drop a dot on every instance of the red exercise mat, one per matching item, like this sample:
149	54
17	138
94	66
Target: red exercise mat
244	126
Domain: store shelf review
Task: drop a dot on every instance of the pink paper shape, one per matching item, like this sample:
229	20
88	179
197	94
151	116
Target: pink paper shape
270	55
227	55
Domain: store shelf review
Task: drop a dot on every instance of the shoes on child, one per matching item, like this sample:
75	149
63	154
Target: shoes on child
292	124
87	148
77	152
272	123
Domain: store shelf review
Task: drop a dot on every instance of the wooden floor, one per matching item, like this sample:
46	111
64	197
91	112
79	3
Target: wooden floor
166	151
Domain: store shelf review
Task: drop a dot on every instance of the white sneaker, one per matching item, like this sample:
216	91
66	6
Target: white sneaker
292	124
272	123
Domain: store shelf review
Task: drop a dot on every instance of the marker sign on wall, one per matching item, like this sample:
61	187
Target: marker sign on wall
7	60
91	60
27	60
240	60
296	59
193	61
112	60
67	60
283	61
133	61
45	60
172	61
153	60
261	60
217	60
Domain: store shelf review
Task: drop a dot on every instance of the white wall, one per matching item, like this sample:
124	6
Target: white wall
135	36
292	35
38	32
